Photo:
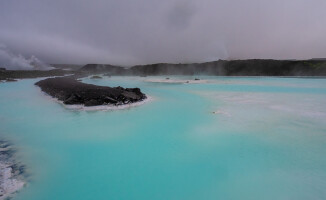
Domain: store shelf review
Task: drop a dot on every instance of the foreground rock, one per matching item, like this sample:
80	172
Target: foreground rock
70	91
12	173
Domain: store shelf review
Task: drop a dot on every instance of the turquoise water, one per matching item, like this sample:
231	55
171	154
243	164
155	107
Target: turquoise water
266	140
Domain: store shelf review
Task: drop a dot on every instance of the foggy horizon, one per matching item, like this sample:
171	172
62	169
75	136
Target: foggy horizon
128	33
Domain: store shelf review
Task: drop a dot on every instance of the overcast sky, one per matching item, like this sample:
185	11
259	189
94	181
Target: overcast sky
128	32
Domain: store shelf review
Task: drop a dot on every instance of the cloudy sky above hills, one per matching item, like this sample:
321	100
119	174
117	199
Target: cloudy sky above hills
128	32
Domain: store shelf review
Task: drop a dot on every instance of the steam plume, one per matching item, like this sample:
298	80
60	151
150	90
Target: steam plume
12	61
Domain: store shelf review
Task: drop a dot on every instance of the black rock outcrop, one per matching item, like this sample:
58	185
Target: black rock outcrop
70	91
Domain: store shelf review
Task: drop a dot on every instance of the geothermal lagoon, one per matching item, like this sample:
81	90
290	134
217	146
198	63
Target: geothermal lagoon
217	138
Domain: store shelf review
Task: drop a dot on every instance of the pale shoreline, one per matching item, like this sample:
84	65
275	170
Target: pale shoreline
105	107
180	81
11	172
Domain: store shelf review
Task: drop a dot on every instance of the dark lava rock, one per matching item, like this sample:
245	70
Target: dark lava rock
71	92
93	102
96	77
73	99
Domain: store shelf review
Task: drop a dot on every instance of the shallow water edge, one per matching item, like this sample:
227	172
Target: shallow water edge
12	172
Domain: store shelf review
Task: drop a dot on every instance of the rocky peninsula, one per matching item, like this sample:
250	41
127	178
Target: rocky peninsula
72	92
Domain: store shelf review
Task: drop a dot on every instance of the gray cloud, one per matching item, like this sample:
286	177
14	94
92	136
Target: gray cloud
181	14
131	32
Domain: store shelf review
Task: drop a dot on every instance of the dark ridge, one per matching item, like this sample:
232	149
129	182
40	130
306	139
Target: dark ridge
254	67
323	59
66	66
70	91
99	68
20	74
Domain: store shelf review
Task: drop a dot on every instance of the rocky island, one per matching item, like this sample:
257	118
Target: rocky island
72	92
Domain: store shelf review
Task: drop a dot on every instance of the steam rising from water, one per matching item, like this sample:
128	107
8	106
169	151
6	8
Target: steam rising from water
12	61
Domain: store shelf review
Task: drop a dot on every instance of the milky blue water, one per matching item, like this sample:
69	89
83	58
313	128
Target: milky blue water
227	138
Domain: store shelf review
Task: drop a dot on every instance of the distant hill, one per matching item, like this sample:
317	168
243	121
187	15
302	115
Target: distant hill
93	68
254	67
324	59
19	74
66	66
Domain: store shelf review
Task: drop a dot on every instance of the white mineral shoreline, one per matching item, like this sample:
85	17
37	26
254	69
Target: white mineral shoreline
106	107
10	182
190	81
